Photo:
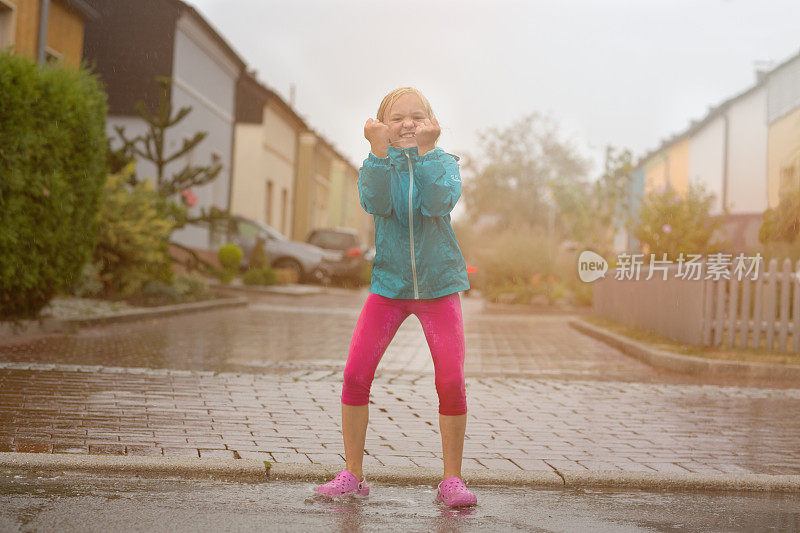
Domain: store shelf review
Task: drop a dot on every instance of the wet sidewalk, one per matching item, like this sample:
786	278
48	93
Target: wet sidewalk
70	502
264	382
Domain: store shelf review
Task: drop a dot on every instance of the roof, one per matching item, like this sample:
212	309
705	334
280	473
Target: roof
275	97
82	8
715	112
271	94
213	32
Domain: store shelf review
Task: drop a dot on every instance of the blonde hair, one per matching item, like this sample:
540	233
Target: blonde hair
389	100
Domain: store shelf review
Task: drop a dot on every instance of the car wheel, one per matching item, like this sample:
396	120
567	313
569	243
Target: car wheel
293	265
320	276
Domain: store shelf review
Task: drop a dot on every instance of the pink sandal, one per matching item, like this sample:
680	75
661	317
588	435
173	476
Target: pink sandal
453	493
344	484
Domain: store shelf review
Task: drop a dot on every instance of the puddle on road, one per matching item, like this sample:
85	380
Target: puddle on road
76	502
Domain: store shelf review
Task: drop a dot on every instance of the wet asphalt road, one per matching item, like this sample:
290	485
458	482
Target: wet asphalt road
74	502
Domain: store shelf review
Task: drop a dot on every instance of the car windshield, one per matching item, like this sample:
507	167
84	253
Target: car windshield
330	239
252	229
272	232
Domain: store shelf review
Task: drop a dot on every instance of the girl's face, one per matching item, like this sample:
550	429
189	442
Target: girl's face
403	117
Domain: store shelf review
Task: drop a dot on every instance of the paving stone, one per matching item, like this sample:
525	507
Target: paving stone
218	454
285	457
70	448
143	450
325	458
537	391
180	452
107	449
394	460
531	464
258	456
666	467
428	462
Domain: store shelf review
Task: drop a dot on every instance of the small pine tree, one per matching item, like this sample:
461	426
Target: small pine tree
151	146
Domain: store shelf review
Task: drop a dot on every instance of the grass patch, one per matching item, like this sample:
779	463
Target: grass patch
759	355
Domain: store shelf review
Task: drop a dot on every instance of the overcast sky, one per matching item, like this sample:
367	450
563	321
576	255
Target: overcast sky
625	73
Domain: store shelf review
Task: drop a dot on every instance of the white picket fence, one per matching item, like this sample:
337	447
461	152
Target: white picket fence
755	313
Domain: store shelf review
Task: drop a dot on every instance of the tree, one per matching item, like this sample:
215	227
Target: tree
671	224
518	165
782	223
151	146
593	212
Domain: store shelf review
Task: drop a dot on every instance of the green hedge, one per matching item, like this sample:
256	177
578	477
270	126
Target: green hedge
133	239
52	170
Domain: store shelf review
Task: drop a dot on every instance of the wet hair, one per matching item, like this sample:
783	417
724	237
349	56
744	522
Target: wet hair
389	100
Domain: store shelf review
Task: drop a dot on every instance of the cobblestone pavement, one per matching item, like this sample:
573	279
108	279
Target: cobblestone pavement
265	382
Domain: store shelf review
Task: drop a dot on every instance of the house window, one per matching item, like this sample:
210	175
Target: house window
268	203
790	177
51	56
7	23
284	200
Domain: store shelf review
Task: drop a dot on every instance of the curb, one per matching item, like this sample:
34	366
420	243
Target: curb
186	467
528	309
254	470
687	364
156	312
59	325
289	290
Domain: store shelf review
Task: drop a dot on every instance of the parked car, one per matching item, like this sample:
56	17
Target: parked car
311	263
349	255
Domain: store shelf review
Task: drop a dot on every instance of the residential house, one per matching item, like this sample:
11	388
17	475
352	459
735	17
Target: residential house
132	43
783	115
265	155
326	192
45	30
344	207
744	151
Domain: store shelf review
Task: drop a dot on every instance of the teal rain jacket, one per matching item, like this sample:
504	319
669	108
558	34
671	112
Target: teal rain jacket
410	198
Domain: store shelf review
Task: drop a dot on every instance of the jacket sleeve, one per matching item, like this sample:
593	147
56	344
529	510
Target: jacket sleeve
374	178
439	181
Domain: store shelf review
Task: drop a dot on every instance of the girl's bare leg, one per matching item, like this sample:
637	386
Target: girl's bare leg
452	429
354	431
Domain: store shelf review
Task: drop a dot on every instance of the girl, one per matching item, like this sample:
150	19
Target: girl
410	186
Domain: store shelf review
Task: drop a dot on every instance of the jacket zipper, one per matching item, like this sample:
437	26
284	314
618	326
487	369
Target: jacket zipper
411	224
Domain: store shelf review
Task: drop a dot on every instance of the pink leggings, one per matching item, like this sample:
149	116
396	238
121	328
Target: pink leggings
377	324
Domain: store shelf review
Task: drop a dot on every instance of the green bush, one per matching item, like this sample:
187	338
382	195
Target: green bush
259	276
230	257
259	257
185	287
259	271
90	283
513	262
133	240
191	286
52	170
583	293
159	288
671	224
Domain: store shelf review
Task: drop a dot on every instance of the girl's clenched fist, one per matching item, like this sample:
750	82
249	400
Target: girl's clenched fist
426	134
377	133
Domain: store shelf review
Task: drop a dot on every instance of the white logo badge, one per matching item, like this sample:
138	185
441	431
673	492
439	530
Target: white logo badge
591	266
